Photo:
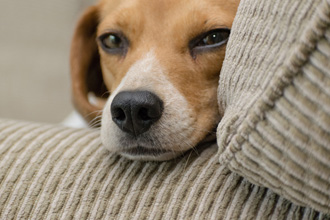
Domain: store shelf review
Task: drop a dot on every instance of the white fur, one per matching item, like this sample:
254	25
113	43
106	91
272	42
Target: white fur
174	129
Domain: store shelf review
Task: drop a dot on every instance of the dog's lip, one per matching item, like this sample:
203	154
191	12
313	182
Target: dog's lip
140	150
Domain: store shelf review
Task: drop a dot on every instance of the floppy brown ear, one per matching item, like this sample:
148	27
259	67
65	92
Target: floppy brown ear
86	74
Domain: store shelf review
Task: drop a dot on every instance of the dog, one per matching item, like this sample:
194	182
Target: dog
154	66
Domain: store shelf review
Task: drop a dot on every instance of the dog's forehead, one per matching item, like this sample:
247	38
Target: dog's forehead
108	6
166	8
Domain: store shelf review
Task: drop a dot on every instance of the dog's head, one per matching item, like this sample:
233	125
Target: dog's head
160	61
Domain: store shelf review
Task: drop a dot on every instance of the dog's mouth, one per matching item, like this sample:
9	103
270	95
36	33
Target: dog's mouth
149	154
140	151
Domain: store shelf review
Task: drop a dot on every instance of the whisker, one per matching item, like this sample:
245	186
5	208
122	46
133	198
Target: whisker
98	112
185	165
96	125
95	119
96	122
105	93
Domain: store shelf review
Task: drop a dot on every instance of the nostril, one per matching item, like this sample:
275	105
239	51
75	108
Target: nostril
118	114
144	114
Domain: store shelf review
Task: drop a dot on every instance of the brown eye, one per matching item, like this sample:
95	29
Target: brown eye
112	41
209	41
215	38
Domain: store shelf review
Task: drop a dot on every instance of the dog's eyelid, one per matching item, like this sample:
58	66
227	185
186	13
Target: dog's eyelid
198	44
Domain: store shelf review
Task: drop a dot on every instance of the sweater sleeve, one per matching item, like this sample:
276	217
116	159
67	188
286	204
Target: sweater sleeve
274	95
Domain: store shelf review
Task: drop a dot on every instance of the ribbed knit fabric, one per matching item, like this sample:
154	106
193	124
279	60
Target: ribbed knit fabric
53	172
274	92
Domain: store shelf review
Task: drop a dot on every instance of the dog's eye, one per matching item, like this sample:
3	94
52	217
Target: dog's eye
113	43
214	38
210	40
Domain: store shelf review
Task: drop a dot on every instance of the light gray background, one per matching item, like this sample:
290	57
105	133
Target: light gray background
35	38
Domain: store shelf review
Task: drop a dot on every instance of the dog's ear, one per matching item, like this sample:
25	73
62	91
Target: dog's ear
86	74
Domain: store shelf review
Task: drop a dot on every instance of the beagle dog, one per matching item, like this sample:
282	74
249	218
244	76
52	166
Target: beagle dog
154	65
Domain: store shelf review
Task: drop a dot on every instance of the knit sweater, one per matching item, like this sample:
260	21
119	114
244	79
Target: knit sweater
274	92
54	172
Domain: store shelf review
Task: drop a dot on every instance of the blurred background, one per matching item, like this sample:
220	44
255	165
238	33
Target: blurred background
35	38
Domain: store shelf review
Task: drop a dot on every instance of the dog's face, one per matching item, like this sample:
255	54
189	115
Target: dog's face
160	61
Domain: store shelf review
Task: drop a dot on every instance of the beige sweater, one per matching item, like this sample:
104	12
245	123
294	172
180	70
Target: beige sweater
275	95
53	172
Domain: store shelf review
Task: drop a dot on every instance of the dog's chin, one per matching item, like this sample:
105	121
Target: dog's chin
146	154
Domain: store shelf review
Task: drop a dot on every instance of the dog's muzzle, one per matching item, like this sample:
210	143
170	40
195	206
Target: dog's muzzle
135	111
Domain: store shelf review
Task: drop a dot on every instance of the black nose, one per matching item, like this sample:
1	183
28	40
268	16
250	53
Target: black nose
134	112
